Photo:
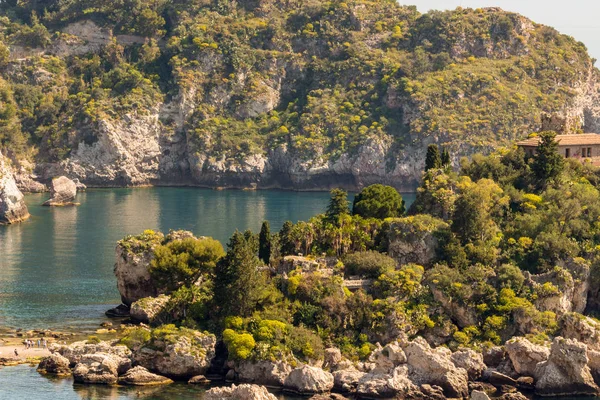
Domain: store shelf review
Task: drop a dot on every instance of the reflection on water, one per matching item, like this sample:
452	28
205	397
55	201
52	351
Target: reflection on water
56	270
24	382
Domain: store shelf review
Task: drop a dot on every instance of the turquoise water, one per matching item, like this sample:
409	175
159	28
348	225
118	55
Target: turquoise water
56	270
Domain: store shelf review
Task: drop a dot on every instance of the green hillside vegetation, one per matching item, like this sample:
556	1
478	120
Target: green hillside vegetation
507	241
346	72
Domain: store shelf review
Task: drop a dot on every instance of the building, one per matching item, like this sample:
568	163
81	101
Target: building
582	146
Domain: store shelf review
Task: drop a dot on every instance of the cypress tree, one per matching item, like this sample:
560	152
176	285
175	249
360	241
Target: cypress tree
548	164
445	158
338	204
264	240
433	159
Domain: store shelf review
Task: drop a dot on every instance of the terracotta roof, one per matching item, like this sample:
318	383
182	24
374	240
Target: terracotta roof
581	139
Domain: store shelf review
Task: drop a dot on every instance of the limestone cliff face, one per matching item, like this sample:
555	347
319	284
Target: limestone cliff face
12	204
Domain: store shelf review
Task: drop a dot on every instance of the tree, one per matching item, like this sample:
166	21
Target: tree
239	282
548	164
181	262
286	241
378	201
264	240
433	159
446	162
338	204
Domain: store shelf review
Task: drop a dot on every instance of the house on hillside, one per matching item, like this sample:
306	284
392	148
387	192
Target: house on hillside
584	146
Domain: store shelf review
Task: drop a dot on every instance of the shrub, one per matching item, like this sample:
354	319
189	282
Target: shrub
378	201
368	264
239	345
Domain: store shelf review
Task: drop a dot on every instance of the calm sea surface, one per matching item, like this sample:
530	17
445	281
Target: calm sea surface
56	270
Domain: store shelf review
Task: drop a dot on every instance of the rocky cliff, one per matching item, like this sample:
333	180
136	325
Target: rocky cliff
12	204
345	94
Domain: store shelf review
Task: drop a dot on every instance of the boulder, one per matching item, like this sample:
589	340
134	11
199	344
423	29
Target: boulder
198	380
470	361
240	392
479	395
389	385
181	354
62	192
269	373
333	357
77	350
525	355
140	376
435	367
308	380
98	368
55	364
328	396
493	356
385	359
566	372
149	309
12	203
346	380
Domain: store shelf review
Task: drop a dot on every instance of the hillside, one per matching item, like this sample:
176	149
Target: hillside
274	93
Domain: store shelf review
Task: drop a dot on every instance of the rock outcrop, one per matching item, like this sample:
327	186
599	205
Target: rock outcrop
566	372
55	364
12	203
240	392
267	373
180	355
389	385
308	380
62	192
140	376
97	368
414	239
75	353
148	310
471	361
435	367
525	355
347	380
581	328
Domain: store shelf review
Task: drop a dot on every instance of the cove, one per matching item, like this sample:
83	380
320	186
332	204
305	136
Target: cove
56	270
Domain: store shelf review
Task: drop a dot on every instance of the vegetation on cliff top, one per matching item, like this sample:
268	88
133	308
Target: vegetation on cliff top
321	77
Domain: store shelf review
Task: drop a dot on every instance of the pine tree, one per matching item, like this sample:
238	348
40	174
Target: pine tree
548	164
238	279
338	204
433	159
264	240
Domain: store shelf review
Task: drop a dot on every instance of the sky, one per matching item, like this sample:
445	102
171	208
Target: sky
578	18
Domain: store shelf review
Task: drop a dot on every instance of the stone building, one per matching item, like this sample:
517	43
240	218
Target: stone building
585	146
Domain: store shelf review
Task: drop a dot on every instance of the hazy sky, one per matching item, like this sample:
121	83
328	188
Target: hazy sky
578	18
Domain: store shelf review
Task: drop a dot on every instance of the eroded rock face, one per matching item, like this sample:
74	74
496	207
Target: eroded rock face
347	380
12	203
309	380
98	368
62	192
525	355
435	367
140	376
180	356
566	372
384	359
262	372
55	364
148	309
582	328
240	392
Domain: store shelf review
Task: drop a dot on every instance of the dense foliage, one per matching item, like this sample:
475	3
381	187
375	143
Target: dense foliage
322	78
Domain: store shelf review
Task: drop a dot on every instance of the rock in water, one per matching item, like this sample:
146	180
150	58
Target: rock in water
525	355
12	204
62	191
241	392
140	376
55	364
309	380
566	372
99	368
264	372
